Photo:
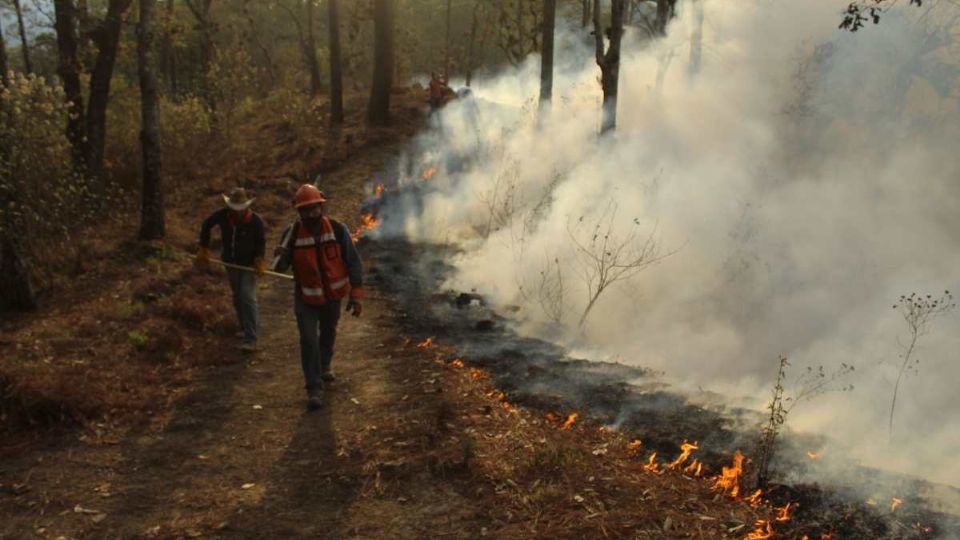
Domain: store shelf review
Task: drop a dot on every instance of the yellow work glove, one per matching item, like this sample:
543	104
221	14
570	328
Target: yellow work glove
203	258
260	267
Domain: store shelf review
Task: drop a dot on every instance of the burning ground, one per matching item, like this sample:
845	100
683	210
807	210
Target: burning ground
754	212
658	419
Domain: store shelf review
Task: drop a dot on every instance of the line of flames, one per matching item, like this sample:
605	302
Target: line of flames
369	220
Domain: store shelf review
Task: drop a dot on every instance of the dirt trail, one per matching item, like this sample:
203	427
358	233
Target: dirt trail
242	457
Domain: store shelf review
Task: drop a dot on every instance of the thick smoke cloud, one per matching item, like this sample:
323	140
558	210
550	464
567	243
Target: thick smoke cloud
799	184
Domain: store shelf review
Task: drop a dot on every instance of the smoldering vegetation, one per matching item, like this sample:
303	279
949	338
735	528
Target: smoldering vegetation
776	200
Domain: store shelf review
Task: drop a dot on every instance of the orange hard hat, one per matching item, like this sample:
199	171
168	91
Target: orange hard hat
306	195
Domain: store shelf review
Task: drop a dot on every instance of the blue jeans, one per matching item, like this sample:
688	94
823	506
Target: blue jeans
318	333
244	287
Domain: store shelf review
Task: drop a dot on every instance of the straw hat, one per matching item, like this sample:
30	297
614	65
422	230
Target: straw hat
238	199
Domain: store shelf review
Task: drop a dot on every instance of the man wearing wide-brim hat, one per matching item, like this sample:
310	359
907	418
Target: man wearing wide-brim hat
243	243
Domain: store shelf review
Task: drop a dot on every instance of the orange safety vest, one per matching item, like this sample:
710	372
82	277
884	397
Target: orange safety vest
319	266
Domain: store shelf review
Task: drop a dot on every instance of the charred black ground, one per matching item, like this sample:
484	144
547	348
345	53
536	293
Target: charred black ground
542	376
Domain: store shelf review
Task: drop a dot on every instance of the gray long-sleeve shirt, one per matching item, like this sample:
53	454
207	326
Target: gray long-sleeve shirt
351	257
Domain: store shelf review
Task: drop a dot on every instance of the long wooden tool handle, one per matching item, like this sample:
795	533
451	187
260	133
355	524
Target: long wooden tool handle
249	269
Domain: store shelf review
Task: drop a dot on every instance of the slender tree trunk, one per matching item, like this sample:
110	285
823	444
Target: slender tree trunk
609	61
151	217
473	38
167	60
336	69
16	287
69	69
446	48
27	64
4	68
378	113
310	49
664	14
546	55
106	38
201	12
696	39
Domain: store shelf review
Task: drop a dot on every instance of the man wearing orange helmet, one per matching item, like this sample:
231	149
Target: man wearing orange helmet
326	269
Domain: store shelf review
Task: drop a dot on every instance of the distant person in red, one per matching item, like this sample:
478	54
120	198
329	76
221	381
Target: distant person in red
437	88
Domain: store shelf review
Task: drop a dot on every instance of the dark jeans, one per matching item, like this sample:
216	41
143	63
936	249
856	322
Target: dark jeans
318	332
244	287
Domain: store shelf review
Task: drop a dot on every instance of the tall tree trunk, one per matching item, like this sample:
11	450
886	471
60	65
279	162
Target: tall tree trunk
69	68
664	14
446	48
311	52
27	65
378	112
696	39
106	38
151	212
546	55
201	12
16	287
168	60
336	70
4	69
609	61
474	22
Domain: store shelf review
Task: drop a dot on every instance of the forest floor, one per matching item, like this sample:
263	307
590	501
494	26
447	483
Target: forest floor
127	413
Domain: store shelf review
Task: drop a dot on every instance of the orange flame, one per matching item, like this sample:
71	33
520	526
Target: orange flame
695	468
570	420
813	455
378	191
895	503
368	222
425	344
686	449
763	531
429	172
477	373
496	394
651	465
507	407
922	528
633	447
552	418
457	363
783	513
755	498
729	479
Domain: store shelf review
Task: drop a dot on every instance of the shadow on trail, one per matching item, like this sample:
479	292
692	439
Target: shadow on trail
309	489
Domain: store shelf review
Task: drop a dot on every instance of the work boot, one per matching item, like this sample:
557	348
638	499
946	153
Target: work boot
326	375
248	346
314	399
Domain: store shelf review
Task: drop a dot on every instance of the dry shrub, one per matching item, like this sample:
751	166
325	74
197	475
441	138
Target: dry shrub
33	395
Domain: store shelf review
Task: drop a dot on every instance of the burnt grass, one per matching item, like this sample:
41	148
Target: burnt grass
543	377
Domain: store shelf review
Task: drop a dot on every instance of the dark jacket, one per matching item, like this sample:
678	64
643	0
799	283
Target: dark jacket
242	243
351	257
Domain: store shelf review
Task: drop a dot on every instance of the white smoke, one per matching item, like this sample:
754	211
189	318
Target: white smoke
802	181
